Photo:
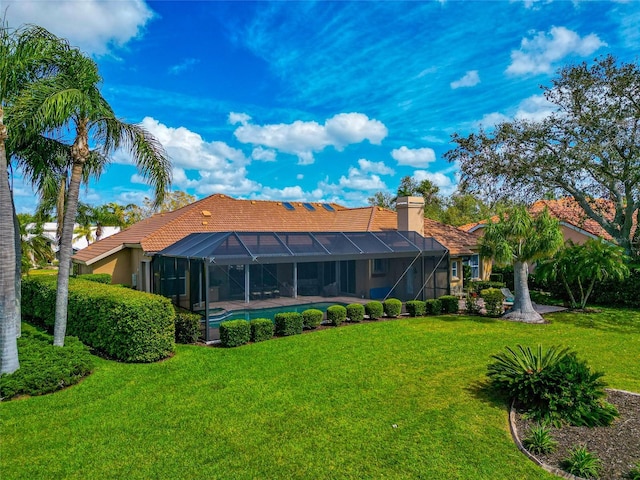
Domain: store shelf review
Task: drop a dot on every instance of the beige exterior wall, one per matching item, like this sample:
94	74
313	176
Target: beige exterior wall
121	266
410	214
574	236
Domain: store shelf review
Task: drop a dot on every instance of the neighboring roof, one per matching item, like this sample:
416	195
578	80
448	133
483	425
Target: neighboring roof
457	241
230	248
569	212
221	213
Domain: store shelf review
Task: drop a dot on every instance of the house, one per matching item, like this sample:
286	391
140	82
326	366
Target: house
221	248
574	222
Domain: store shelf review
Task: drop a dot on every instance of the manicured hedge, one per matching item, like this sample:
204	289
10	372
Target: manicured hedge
187	326
336	314
355	312
392	307
120	323
433	307
415	308
374	309
312	317
96	277
288	323
450	304
478	285
261	329
234	333
43	367
493	298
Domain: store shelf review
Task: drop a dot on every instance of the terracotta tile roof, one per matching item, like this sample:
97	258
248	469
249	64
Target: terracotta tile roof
458	242
568	211
220	213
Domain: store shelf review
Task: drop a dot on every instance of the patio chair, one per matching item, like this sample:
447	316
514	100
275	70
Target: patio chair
508	297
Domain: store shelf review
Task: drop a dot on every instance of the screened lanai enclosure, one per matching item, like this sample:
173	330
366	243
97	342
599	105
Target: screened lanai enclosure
207	272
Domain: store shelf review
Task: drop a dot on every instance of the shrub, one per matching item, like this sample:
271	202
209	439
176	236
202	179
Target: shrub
355	312
312	317
336	314
493	299
539	440
634	473
187	326
392	307
551	386
433	307
450	304
261	329
582	463
415	308
288	323
478	285
43	367
471	304
96	277
374	309
123	324
234	333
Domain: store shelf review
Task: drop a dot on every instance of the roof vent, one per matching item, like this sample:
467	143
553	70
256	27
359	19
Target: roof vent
205	223
206	213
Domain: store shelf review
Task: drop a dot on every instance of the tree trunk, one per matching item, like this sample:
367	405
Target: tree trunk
18	275
79	153
8	341
522	310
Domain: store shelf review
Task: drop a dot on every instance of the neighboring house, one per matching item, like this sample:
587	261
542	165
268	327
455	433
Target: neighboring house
220	248
574	222
50	231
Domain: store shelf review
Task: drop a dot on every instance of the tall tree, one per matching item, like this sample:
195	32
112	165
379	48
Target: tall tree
24	55
72	100
588	148
516	240
382	199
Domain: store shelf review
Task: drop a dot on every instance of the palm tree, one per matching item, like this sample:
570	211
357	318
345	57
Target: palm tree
35	245
516	240
72	100
579	267
24	57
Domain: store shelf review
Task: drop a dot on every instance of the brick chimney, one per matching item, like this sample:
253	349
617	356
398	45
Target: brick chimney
410	214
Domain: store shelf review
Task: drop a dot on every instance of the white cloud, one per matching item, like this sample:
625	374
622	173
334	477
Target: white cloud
418	157
182	66
470	79
292	193
242	118
303	139
542	51
92	25
214	166
357	180
444	182
299	176
535	108
374	167
263	154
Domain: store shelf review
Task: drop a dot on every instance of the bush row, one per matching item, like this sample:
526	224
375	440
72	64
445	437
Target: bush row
434	306
121	323
96	277
239	332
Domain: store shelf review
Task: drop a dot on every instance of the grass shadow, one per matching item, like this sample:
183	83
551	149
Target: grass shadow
604	319
482	390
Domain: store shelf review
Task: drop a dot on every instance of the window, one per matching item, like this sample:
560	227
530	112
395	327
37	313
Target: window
474	262
454	269
379	266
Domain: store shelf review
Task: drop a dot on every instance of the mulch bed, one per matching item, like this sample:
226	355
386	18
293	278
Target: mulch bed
617	446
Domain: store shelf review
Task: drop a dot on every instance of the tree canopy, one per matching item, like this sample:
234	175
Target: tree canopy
588	148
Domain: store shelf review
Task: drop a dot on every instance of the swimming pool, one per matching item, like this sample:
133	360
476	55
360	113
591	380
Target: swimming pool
270	313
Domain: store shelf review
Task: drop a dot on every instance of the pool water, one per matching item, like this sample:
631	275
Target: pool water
269	313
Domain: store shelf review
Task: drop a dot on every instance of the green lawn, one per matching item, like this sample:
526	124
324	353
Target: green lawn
321	405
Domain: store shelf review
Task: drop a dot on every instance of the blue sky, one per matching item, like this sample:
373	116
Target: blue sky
321	101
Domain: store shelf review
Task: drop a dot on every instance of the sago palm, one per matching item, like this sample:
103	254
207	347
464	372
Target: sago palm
72	101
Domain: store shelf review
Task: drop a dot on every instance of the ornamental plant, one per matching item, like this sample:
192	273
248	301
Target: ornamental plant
261	329
392	307
582	463
234	333
288	323
539	440
355	312
312	317
551	385
336	314
374	309
415	308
